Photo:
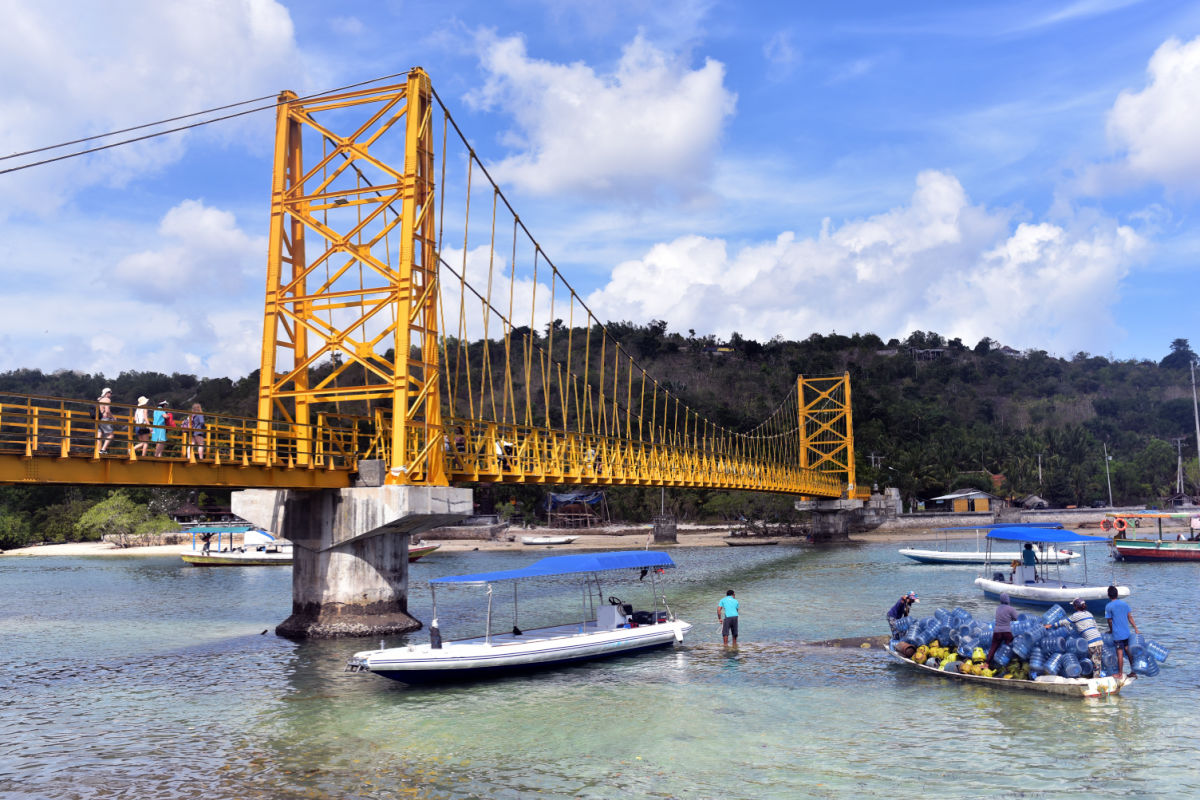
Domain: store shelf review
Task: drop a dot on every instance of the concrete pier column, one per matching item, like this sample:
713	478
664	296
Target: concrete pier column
350	573
830	518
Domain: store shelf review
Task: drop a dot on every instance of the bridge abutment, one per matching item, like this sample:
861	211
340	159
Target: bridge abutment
350	569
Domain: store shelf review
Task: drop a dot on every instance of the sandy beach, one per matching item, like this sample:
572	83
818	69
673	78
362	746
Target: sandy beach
608	538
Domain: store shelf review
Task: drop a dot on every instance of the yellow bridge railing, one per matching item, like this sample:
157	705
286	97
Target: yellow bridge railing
55	440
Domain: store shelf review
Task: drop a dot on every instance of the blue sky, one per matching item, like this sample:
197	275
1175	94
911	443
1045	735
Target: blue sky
1028	171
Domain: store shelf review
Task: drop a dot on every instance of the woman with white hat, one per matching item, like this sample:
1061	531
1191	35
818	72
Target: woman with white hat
104	419
141	426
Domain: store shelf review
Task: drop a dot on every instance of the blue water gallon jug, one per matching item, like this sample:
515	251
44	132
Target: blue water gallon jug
1108	660
1053	615
1003	655
1037	660
1079	645
911	636
1053	663
1036	632
1070	665
1053	644
1021	646
1141	665
1151	667
1138	641
1108	639
942	614
1086	667
1137	651
1157	650
965	649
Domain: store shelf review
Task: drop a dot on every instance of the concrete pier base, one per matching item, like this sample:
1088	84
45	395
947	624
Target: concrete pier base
350	573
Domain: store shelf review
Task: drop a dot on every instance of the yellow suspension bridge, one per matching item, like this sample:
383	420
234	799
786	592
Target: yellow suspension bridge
412	319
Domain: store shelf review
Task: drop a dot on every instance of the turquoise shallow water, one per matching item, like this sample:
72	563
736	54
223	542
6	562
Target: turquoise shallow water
144	678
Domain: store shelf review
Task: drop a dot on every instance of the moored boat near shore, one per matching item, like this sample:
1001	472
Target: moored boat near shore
607	627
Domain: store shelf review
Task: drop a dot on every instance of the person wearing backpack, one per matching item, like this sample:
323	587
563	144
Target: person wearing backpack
104	419
196	423
158	434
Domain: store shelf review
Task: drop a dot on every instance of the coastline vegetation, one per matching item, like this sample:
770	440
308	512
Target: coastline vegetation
931	415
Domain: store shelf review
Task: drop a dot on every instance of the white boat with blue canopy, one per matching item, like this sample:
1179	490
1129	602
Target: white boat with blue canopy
1042	586
607	626
945	554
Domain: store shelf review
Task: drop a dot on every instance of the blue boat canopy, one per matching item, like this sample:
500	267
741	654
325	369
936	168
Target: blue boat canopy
1042	535
989	526
566	565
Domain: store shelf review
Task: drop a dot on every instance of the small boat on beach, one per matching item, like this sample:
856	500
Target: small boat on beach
1046	684
1030	586
606	626
946	554
548	539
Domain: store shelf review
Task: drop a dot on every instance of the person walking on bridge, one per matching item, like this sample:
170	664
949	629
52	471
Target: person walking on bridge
104	419
727	615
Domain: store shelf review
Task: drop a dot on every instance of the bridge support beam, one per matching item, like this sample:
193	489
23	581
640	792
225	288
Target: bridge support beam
831	519
350	574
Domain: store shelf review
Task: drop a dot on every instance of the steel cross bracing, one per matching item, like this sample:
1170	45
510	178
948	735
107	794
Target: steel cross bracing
410	316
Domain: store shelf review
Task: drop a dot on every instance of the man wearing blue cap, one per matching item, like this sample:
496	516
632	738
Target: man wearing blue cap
899	610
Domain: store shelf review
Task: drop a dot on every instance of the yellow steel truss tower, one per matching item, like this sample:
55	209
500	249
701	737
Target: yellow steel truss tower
352	271
827	426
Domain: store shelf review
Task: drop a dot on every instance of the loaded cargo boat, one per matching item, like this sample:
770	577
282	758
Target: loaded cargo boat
1159	548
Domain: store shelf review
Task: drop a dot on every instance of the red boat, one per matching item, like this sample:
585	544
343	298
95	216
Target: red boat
1179	545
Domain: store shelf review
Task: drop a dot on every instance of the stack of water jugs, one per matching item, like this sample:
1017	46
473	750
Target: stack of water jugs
1059	650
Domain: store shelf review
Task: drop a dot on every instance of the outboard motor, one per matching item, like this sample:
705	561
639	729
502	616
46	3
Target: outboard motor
435	635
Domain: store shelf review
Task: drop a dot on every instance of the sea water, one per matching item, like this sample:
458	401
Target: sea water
141	677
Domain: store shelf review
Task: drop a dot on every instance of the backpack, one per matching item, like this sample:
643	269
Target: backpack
169	420
93	412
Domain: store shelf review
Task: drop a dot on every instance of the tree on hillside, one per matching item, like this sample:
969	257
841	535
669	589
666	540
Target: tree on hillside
1180	357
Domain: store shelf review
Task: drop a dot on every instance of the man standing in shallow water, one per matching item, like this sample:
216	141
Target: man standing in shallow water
727	615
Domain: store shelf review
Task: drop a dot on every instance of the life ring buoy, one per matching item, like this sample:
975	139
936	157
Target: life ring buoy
1120	524
1106	524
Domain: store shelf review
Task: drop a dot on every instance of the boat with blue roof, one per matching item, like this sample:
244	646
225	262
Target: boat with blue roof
605	625
1042	585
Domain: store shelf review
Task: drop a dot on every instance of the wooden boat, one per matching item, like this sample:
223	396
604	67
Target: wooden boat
1043	586
548	539
605	629
748	541
418	549
1160	548
1046	684
258	549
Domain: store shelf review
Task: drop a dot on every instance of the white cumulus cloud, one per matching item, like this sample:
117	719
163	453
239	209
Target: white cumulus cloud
938	263
1157	129
650	127
91	68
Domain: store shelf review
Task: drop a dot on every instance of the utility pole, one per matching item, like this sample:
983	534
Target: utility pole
1179	465
1040	471
1107	478
1196	415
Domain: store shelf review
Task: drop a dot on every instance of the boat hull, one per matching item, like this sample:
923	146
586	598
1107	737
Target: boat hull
535	540
509	655
978	557
1044	595
237	559
418	551
1153	550
1068	687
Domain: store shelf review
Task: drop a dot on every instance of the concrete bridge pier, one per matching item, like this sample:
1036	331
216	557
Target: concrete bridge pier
350	574
831	519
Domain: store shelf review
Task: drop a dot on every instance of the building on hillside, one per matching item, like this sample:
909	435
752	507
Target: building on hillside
963	500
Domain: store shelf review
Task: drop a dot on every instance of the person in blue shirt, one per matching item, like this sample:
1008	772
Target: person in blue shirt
1120	621
727	615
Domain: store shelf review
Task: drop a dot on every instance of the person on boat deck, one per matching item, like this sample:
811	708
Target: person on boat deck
1120	620
1195	526
1002	630
1030	559
1083	621
206	537
727	615
899	610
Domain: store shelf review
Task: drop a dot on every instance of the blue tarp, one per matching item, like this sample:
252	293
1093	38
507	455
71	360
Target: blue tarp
1004	525
566	565
556	499
1042	535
